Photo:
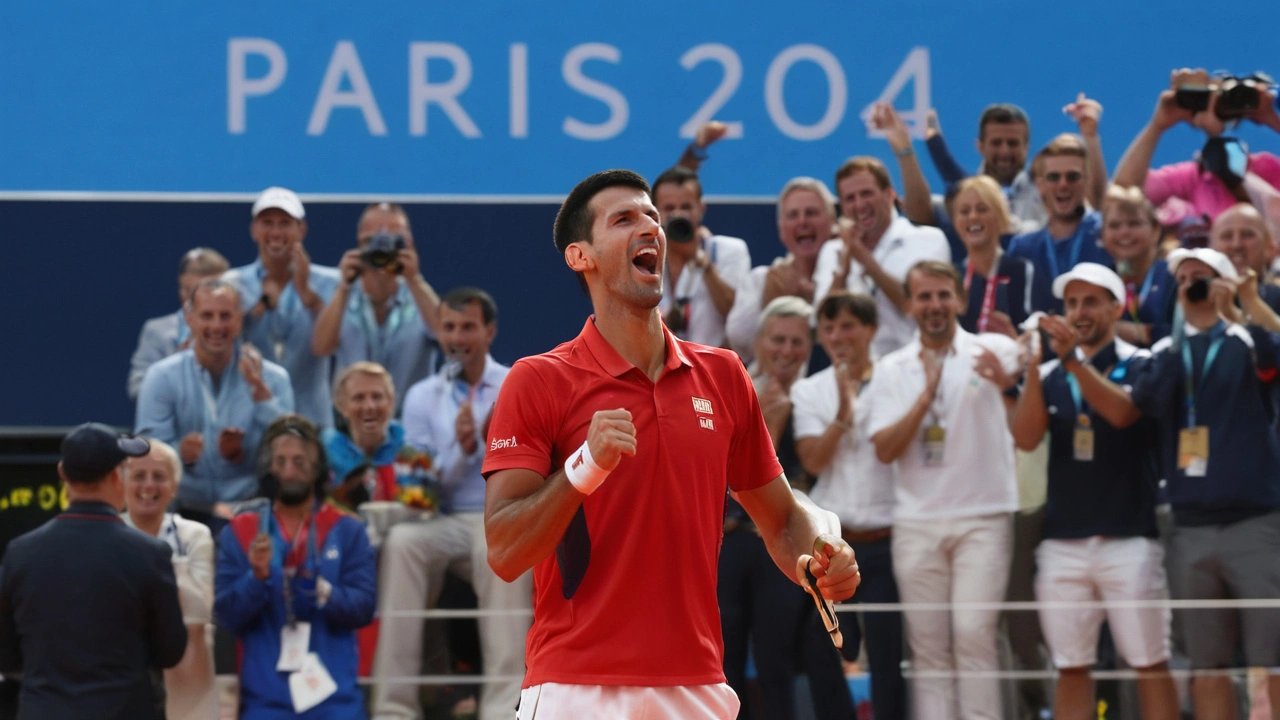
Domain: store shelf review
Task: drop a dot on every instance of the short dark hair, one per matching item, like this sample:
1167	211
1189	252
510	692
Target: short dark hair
459	298
303	429
867	164
936	268
858	305
1002	114
575	218
212	285
678	176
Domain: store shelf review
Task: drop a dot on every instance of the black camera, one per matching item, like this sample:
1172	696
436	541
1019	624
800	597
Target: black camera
680	230
1238	97
383	251
1198	290
1195	99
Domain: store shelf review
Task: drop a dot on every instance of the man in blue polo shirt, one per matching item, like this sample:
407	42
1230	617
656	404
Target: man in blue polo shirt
1100	524
282	293
1210	385
1061	172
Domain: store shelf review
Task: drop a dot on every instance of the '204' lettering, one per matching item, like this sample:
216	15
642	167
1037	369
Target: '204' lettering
346	70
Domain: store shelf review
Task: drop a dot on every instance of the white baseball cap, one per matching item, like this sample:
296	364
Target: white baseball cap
1094	274
282	198
1220	263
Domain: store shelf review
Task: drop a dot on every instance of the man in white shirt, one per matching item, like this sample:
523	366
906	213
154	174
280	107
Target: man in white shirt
806	212
702	272
830	421
938	413
446	416
877	247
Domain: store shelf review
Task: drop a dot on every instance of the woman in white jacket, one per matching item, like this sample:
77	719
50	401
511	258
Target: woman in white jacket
150	485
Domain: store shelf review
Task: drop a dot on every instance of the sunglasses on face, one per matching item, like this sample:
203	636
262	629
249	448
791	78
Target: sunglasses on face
1072	176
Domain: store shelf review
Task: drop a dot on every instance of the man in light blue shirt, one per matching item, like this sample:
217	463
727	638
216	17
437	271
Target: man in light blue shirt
212	402
163	336
392	315
282	292
446	415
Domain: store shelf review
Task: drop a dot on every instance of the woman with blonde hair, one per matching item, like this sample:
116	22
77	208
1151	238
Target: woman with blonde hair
997	285
151	482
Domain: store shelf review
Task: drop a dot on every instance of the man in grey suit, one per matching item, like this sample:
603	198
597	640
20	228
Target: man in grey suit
88	606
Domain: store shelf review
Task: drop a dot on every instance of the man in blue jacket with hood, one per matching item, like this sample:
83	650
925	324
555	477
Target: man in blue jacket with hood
295	581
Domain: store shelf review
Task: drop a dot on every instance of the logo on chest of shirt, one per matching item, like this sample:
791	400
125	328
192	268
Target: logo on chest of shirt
702	406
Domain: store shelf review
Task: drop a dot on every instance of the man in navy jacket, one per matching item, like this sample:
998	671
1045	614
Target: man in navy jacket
1211	387
88	606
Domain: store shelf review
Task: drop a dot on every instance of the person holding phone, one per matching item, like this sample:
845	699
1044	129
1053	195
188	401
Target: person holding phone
212	402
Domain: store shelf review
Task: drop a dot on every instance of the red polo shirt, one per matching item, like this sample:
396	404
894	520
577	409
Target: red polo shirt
645	612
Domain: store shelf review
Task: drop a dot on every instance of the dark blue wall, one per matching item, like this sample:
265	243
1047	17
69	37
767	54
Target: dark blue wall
79	278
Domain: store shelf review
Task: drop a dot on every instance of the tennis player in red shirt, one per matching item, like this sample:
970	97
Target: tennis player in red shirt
607	466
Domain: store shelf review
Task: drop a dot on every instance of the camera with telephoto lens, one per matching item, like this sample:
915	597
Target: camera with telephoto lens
1198	290
679	230
383	252
1239	96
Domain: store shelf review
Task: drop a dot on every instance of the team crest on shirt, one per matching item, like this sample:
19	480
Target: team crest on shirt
702	406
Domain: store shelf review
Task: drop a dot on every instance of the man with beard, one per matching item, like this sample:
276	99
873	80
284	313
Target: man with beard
937	412
1100	523
1071	235
877	247
806	213
608	463
212	403
445	416
295	581
281	294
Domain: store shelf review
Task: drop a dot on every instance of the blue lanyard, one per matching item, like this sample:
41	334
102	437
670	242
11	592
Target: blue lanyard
1081	409
1219	335
1052	251
376	337
177	541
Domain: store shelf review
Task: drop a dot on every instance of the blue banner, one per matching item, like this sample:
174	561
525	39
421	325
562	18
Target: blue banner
522	98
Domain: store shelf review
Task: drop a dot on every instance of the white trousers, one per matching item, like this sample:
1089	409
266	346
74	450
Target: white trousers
415	557
557	701
953	560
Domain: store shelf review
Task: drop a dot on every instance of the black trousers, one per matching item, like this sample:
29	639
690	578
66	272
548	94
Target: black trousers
761	607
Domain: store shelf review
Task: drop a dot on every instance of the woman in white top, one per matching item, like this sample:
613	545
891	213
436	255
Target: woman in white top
150	485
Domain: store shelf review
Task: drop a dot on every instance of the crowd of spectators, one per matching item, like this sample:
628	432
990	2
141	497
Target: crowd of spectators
1040	383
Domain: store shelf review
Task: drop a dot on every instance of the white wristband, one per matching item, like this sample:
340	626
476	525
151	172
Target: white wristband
583	472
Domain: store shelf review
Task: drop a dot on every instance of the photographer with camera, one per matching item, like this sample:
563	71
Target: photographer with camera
702	272
1210	387
1217	179
393	316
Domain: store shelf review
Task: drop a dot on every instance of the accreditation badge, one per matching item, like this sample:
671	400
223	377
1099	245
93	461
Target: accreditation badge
1082	439
935	443
1193	450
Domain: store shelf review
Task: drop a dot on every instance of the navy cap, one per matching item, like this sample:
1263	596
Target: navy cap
92	450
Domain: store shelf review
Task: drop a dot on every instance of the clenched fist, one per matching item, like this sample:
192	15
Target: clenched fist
611	436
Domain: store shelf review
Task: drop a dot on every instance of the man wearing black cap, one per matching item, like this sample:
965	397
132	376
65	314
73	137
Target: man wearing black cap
89	606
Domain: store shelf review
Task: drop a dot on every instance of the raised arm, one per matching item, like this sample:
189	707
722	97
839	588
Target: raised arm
1132	170
943	161
696	151
1030	415
917	199
1087	112
327	332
